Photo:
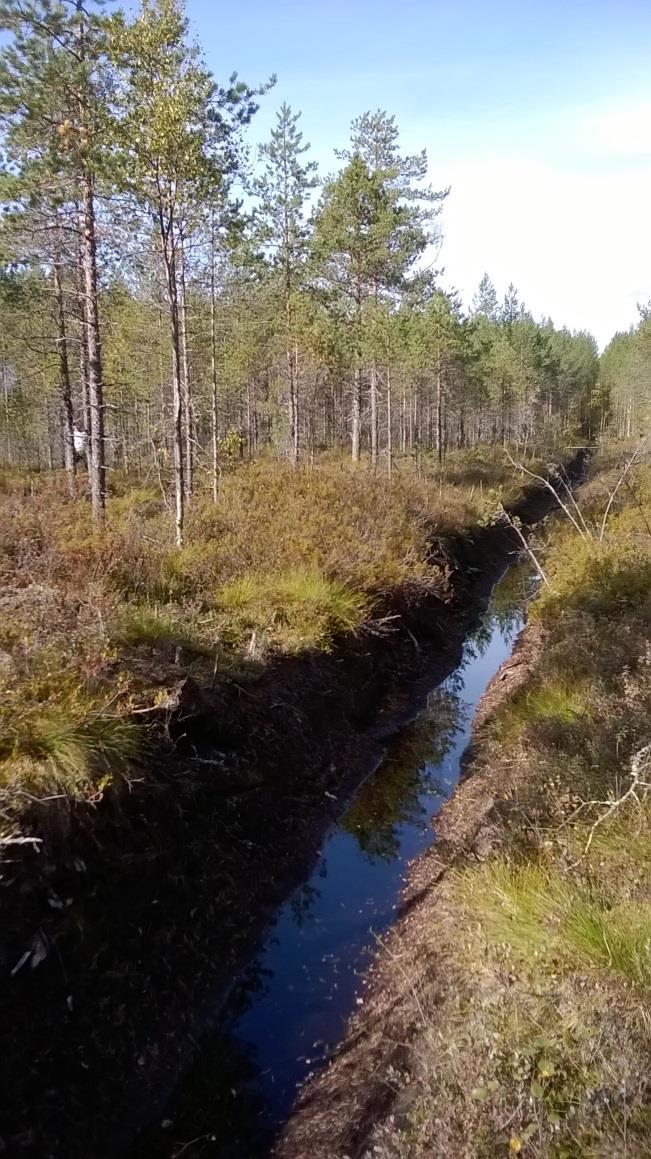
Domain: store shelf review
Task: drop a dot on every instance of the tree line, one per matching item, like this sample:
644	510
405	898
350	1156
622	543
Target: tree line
625	377
171	297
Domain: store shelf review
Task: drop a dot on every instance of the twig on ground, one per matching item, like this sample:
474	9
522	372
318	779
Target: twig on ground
21	841
395	958
639	762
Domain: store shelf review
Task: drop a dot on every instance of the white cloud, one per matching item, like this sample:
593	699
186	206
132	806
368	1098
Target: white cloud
619	130
575	243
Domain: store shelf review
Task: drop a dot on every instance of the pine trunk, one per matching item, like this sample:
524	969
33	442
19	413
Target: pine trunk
389	431
67	419
186	389
213	377
169	259
439	408
97	461
374	415
356	416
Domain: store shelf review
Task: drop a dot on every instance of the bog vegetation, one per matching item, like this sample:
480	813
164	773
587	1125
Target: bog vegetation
99	625
539	1043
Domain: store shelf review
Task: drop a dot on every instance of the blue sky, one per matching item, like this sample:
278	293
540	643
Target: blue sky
537	114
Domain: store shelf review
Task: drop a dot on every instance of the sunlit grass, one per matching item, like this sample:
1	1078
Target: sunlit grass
299	609
542	915
614	938
63	747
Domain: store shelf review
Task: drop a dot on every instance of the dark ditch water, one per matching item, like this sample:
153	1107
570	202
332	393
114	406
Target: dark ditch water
289	1009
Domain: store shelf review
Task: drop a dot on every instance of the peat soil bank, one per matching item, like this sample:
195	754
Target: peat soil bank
131	926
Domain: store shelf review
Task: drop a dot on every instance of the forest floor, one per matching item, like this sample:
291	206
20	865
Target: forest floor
508	1009
172	731
105	633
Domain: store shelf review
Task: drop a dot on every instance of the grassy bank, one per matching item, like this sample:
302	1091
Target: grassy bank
510	1009
99	628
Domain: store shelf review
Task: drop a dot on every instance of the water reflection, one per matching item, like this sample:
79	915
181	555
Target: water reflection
410	772
506	609
304	900
291	1006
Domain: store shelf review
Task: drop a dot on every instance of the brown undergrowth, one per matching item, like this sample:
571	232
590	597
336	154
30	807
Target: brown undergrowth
151	882
509	1009
98	626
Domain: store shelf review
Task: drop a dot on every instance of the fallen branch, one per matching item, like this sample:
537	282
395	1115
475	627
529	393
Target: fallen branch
632	460
546	483
21	841
639	763
529	550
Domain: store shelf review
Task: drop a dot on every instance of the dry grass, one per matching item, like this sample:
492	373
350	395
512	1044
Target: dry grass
95	622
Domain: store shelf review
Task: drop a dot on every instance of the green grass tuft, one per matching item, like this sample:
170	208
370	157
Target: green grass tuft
48	747
150	626
616	939
535	911
296	610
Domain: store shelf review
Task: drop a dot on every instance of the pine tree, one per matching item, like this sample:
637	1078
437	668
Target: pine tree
284	188
178	133
51	112
511	309
375	138
366	243
485	302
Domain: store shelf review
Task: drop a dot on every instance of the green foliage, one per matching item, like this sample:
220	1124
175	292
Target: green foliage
168	131
302	609
65	746
283	189
625	368
365	237
535	910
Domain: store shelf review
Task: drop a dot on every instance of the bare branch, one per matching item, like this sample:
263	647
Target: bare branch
529	550
639	763
630	463
546	483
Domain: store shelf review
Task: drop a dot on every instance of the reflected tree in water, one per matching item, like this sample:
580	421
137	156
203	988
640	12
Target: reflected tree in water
392	796
506	610
303	901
